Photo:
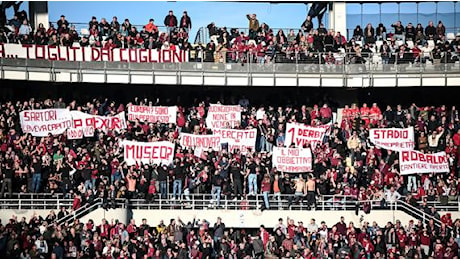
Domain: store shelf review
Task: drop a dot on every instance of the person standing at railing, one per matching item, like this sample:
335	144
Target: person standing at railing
7	173
185	22
253	25
170	22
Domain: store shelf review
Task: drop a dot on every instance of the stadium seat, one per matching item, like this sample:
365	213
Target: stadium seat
450	37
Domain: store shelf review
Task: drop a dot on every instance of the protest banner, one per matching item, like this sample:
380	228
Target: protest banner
200	141
300	134
41	122
88	123
148	153
74	133
243	140
411	162
222	116
152	114
395	139
293	160
77	53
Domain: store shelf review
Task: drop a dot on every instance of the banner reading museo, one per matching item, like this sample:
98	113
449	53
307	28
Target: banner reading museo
148	153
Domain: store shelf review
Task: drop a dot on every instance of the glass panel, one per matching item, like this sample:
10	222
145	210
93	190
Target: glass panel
427	12
390	15
353	17
371	14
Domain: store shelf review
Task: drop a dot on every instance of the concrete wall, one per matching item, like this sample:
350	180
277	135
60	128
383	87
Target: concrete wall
231	218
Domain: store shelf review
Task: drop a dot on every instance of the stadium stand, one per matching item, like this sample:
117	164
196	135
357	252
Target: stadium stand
349	171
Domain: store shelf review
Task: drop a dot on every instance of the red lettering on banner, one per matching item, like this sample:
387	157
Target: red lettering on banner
59	54
90	121
27	46
164	56
74	49
94	52
132	58
2	50
121	55
51	54
106	53
83	54
43	53
116	123
177	56
142	56
77	123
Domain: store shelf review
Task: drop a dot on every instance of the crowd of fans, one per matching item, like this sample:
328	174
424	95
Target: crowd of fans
259	44
42	238
343	165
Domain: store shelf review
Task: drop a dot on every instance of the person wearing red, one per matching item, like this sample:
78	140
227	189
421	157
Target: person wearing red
104	228
131	228
402	238
326	114
264	235
365	112
314	114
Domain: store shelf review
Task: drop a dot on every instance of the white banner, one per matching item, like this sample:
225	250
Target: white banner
222	116
395	139
148	153
63	53
416	162
41	122
292	159
88	123
200	141
242	140
300	134
152	114
74	133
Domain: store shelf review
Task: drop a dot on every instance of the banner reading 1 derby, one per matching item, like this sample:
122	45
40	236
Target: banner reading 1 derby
300	134
395	139
292	159
148	153
238	139
200	141
152	114
88	123
416	162
41	122
222	116
65	53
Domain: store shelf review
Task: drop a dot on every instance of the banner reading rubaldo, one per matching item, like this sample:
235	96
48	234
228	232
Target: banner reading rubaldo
200	141
223	116
148	153
88	123
300	134
45	121
66	53
416	162
395	139
152	114
243	140
293	160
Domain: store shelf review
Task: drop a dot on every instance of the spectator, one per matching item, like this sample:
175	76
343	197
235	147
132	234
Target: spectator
170	22
186	22
253	25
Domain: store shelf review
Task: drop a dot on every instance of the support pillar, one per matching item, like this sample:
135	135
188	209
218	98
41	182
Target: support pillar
338	18
38	12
